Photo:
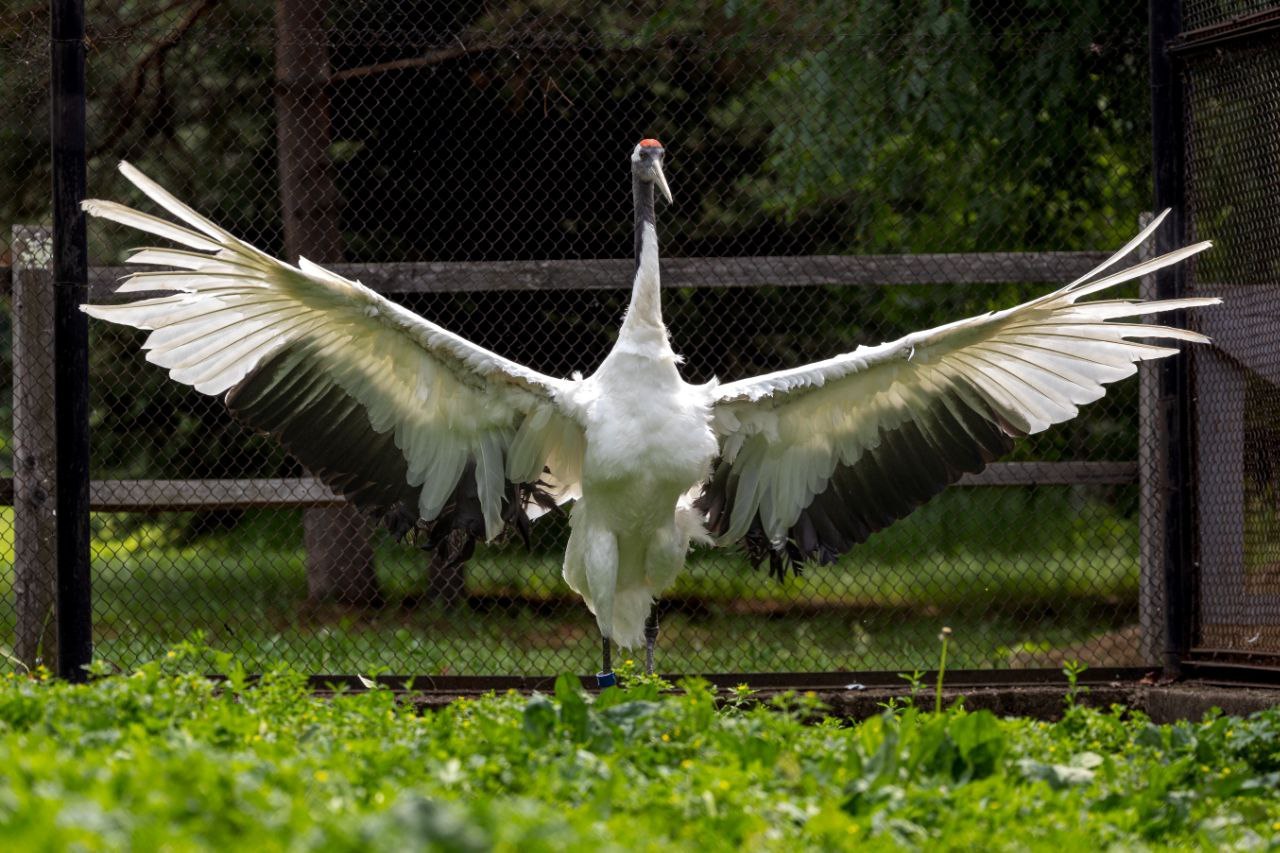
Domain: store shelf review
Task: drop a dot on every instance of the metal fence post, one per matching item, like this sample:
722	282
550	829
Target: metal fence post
1151	469
70	335
34	456
1174	404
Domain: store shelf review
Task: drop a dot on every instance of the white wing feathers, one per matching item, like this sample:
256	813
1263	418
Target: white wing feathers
394	410
236	314
786	434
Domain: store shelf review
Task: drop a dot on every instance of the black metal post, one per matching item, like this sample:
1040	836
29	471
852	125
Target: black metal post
70	335
1174	388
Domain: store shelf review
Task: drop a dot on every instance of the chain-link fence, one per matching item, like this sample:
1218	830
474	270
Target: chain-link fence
843	173
1233	175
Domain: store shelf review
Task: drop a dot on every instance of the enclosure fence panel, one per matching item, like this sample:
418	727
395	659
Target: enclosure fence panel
1233	176
842	173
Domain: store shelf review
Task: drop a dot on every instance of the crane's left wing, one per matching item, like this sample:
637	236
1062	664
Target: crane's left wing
817	458
403	417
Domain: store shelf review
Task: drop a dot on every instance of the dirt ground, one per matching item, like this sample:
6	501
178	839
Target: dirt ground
1121	647
1164	703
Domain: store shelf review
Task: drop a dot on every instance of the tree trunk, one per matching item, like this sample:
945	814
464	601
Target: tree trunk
339	555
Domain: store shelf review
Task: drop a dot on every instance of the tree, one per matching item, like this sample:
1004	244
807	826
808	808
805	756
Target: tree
340	564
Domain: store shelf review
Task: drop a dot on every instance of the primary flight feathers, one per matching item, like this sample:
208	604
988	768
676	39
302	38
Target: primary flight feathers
884	428
388	407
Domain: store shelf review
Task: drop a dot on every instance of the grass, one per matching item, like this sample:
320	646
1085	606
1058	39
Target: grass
1008	569
163	759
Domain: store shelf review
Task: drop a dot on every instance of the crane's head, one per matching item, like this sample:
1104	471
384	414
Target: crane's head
646	165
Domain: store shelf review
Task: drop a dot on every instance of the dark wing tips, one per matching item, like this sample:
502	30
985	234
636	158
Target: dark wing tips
291	398
911	464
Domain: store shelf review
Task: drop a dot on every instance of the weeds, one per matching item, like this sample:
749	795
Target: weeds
915	682
162	758
944	637
915	685
1073	669
740	696
631	674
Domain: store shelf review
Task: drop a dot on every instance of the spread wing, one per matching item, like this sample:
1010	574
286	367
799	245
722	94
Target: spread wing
403	417
817	458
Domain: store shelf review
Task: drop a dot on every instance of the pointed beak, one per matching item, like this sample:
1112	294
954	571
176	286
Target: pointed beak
661	181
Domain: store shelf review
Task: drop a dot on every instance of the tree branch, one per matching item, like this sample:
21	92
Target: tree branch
435	57
525	41
127	112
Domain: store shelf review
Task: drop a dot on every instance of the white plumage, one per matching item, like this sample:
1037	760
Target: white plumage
423	427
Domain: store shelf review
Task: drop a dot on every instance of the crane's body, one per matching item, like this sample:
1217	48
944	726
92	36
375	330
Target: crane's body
434	434
649	443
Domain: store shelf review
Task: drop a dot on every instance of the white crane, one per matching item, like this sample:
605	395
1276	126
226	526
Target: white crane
427	430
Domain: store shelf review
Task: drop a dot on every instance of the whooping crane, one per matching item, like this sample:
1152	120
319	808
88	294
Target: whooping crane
426	430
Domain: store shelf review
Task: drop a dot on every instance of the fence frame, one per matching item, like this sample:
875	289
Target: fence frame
1173	404
1169	570
1225	535
74	607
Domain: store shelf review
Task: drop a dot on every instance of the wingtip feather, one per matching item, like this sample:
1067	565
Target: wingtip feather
172	204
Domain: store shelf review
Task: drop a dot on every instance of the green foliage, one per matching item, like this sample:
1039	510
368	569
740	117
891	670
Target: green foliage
914	680
915	684
165	759
1073	669
940	126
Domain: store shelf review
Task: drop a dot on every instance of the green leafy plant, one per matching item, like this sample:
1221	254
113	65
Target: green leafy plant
915	681
1073	669
631	674
740	696
915	684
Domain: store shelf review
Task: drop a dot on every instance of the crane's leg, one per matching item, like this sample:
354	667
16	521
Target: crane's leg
600	563
650	638
605	677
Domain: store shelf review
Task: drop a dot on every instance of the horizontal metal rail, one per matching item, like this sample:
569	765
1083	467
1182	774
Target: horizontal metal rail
1241	31
1258	670
612	273
166	495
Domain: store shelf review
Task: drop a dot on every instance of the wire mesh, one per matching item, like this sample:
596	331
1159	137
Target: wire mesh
409	140
1233	174
1208	13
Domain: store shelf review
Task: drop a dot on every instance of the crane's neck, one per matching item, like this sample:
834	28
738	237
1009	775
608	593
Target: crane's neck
644	315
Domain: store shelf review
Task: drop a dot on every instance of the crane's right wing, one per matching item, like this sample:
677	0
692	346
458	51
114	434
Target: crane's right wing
401	416
815	459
